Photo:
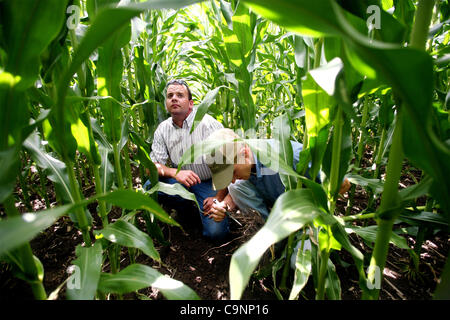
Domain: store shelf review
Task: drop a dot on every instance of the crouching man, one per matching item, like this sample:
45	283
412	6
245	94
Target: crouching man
251	185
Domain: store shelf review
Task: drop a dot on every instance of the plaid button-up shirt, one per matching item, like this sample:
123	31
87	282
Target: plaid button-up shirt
170	142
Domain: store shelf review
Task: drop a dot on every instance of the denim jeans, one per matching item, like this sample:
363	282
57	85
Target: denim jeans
211	229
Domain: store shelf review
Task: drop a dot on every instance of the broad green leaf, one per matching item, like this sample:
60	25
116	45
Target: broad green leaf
81	134
271	157
134	200
10	164
291	211
110	69
317	115
125	234
325	75
242	29
209	99
82	284
14	116
305	17
387	4
416	190
302	272
199	149
327	241
28	28
138	276
19	230
370	233
433	218
93	6
282	134
106	169
301	52
54	168
332	283
374	184
173	189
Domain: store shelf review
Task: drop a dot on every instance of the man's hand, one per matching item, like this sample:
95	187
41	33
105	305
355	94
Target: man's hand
217	211
232	207
187	177
207	203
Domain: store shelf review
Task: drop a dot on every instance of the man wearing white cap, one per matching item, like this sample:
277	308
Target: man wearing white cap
251	185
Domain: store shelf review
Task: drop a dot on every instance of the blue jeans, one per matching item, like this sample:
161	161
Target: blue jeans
211	229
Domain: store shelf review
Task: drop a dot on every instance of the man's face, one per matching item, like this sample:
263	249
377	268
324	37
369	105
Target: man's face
177	100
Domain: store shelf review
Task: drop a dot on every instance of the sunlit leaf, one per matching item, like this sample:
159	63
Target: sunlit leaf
125	234
82	284
291	211
138	276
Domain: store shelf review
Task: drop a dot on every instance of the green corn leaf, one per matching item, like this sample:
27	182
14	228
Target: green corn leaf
209	99
131	200
302	272
19	230
282	133
430	218
28	28
291	211
373	184
242	29
82	284
138	276
110	69
106	169
173	189
125	234
55	169
10	164
370	233
317	115
332	283
81	134
416	190
327	241
197	150
308	18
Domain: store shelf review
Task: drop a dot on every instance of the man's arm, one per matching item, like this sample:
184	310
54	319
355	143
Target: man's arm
159	156
185	177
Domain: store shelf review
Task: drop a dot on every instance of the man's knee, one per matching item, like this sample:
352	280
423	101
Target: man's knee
215	231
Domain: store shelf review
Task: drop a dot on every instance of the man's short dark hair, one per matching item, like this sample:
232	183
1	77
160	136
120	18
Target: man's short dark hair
182	83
